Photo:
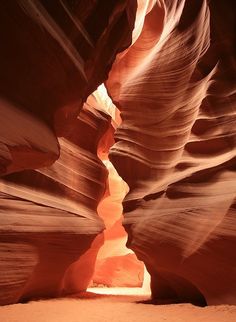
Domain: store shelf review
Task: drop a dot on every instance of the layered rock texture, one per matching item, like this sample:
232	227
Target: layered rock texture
54	54
116	265
175	148
169	67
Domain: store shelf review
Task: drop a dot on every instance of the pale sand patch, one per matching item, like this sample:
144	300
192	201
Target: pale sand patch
112	308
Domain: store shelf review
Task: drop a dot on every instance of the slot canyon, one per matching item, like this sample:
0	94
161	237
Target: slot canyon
118	160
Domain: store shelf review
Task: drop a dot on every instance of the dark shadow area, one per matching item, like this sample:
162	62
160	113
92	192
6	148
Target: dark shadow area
172	301
170	288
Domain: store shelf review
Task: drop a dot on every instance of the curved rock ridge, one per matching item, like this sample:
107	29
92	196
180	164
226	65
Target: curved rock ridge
52	212
116	265
175	148
54	55
33	144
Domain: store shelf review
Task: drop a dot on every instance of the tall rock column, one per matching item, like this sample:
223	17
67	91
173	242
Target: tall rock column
53	55
175	148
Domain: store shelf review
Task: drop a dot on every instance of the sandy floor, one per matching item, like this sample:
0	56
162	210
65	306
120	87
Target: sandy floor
112	308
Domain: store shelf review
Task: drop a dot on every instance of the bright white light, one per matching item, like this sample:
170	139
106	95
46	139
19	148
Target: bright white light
104	101
118	291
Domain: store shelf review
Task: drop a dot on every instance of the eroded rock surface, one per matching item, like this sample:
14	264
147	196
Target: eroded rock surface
53	210
54	55
175	148
175	145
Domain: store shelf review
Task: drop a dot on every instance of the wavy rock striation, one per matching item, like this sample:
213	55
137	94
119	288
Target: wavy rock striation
116	265
54	54
175	145
175	148
52	211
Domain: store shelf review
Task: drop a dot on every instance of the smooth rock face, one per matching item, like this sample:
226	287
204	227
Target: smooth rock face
116	265
53	211
54	55
175	148
119	271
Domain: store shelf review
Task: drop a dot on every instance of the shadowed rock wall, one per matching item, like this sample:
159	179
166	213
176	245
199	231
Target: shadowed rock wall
54	54
175	148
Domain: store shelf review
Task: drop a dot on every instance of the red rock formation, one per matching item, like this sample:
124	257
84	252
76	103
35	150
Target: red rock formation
175	148
175	145
53	210
54	54
119	271
116	265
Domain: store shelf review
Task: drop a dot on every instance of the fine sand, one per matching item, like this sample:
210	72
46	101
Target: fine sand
113	308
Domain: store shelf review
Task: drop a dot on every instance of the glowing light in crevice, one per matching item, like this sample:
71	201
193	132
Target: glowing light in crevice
110	210
101	101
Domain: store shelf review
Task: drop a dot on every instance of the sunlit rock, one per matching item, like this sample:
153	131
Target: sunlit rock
159	135
175	148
